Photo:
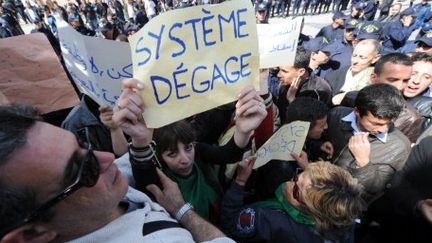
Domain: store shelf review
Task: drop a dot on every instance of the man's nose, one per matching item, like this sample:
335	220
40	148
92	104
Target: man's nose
105	159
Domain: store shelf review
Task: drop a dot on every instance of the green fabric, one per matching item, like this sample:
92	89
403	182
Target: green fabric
195	190
281	203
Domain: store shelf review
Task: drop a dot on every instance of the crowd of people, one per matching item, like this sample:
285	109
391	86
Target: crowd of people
363	174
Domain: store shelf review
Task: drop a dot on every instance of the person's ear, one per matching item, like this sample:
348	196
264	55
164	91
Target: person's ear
356	112
301	72
33	233
375	59
373	78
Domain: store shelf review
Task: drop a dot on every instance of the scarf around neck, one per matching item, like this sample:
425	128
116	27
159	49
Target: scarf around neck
281	203
195	190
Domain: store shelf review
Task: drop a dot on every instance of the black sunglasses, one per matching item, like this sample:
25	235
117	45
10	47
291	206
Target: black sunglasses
87	176
296	189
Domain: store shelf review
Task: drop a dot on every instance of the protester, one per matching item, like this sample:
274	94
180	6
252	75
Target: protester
54	189
393	69
365	141
295	79
186	162
319	204
357	75
417	90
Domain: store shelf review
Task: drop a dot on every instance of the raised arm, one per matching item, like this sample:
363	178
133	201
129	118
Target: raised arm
128	116
250	112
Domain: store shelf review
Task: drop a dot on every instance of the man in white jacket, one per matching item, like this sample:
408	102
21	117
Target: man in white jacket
55	189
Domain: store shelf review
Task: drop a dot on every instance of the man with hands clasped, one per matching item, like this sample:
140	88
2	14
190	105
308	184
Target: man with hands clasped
365	141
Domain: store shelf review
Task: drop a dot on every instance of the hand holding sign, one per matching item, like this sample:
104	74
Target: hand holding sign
128	114
199	57
250	112
288	139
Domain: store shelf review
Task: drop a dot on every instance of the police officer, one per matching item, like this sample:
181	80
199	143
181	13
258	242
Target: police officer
424	44
341	49
357	12
335	29
263	5
261	14
370	9
320	62
398	32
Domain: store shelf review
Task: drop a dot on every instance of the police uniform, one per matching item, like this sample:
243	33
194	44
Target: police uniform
396	35
341	51
411	46
331	33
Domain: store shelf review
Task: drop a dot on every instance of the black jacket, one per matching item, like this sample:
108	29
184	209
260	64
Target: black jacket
423	105
250	223
312	83
396	210
336	79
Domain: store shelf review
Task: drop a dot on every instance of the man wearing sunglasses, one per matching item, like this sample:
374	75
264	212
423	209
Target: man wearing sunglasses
52	189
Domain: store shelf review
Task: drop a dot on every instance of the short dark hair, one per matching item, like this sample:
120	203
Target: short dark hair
167	137
382	100
15	121
306	109
394	58
421	57
302	58
15	203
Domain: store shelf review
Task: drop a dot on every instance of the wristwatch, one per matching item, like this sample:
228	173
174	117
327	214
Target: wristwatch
182	211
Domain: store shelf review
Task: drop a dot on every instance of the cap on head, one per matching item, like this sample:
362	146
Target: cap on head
370	30
339	15
261	7
351	24
426	27
426	39
408	11
317	44
359	6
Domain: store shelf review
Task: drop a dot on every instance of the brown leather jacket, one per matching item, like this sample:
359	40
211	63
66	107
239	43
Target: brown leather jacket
409	121
385	159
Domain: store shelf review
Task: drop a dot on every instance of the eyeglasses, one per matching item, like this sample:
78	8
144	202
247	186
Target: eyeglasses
296	189
87	176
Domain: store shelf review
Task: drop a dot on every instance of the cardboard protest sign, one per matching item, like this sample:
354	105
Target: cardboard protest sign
289	138
97	66
194	59
32	74
278	42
